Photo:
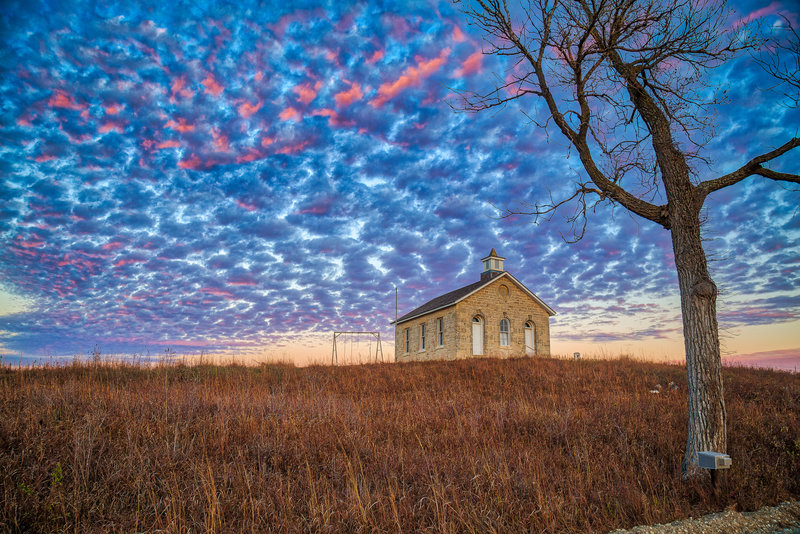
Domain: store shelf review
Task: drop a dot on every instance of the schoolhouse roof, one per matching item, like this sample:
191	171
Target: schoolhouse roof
456	296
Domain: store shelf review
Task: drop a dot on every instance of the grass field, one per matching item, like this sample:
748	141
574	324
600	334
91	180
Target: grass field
536	445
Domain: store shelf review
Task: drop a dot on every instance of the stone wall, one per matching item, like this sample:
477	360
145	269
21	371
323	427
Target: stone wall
502	299
433	351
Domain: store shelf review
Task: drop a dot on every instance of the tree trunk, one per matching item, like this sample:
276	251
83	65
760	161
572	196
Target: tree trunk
707	417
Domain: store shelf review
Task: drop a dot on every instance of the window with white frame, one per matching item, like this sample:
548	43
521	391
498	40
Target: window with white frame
422	336
504	333
440	331
408	340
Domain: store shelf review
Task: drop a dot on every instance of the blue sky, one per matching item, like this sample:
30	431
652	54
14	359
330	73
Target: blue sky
246	179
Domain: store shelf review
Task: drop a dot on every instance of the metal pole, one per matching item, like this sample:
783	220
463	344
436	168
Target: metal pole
395	304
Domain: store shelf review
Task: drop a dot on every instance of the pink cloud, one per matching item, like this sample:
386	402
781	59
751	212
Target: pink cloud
60	99
246	205
178	88
471	65
180	126
113	109
113	245
86	264
251	155
192	162
43	158
771	9
110	126
306	93
247	109
412	76
375	57
168	144
211	85
345	98
458	35
30	244
130	261
292	148
289	113
220	141
334	117
512	89
325	112
217	292
321	207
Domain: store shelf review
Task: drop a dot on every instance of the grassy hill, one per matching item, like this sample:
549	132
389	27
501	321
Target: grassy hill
536	445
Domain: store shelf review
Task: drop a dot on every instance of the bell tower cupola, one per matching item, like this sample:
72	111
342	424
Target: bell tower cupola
492	265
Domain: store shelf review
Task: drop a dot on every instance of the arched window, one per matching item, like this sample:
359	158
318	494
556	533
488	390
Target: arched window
504	330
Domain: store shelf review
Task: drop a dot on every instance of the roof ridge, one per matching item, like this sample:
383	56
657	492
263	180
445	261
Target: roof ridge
453	297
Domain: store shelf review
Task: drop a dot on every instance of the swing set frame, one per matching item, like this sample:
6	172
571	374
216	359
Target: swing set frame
378	348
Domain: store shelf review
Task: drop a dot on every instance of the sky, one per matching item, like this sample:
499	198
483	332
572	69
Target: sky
243	179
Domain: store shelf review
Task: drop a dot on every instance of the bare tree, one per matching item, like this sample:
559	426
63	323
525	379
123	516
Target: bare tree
626	82
780	57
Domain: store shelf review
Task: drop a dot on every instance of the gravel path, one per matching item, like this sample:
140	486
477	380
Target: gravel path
781	519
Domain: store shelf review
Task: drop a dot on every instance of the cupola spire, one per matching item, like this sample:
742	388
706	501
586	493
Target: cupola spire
492	265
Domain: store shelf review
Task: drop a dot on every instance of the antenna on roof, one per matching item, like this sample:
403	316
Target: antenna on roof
395	304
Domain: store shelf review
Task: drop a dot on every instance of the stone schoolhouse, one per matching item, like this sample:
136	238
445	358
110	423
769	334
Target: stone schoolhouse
496	317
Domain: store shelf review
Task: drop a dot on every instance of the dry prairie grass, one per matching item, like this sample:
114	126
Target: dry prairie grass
535	445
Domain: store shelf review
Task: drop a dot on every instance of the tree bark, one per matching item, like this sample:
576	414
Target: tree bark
707	416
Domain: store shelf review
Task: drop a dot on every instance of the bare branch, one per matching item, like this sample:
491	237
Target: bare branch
785	67
577	220
749	169
778	176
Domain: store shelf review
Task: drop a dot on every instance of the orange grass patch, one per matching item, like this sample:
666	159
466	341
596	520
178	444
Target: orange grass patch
517	445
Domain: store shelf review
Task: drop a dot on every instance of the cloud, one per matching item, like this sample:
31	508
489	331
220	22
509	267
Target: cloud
412	76
306	92
345	98
472	65
211	86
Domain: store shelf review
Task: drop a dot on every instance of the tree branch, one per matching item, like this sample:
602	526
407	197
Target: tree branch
779	176
785	68
546	211
749	169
